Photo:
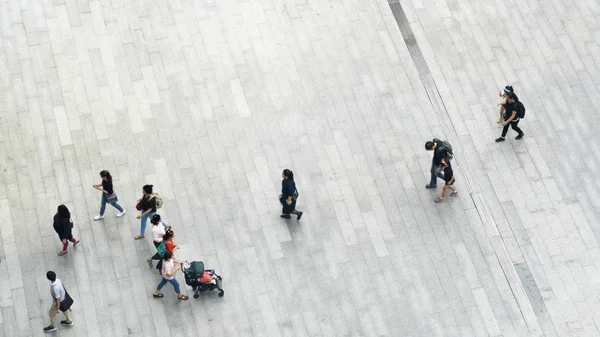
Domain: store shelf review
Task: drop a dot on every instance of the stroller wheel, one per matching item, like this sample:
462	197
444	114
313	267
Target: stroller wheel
196	295
221	293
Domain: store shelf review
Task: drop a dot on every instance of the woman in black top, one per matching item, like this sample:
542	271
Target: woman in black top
288	195
62	225
108	195
510	117
148	209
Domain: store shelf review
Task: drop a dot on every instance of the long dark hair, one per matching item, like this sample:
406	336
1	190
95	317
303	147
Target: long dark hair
148	189
106	174
512	95
168	234
289	174
63	212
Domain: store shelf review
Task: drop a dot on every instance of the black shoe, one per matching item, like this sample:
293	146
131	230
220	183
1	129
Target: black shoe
285	216
299	215
520	136
501	139
430	186
67	323
49	328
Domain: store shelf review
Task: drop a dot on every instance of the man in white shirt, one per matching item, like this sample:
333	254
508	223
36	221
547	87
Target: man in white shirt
59	294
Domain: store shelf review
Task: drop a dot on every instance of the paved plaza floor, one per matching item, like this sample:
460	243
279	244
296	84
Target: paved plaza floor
210	100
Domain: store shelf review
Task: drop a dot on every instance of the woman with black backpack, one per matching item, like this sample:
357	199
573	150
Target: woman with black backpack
63	226
511	116
289	195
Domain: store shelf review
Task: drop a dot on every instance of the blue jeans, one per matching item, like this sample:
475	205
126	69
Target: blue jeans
113	204
173	282
435	174
144	218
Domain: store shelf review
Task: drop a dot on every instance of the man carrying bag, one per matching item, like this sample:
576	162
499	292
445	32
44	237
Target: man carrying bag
62	301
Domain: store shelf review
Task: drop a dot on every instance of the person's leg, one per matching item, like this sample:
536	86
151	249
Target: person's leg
160	286
52	314
433	171
175	285
444	190
515	126
504	131
103	205
68	316
117	206
143	223
65	245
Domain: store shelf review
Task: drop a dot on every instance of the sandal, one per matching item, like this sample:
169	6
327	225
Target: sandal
149	262
137	237
159	295
183	297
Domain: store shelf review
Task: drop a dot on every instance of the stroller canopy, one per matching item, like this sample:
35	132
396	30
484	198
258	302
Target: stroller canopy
196	268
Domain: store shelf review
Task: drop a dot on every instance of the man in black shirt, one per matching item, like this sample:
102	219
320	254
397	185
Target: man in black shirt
439	153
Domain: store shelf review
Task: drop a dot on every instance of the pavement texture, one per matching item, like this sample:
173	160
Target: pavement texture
211	100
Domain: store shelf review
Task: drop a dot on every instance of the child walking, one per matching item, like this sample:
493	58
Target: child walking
449	179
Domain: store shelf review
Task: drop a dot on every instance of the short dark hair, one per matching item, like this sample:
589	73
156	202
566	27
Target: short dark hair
155	219
167	255
148	189
50	275
168	234
429	145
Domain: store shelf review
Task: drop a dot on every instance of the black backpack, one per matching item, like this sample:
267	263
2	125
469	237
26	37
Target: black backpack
520	110
444	144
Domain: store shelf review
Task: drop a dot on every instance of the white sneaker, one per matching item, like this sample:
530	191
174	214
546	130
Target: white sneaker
120	214
98	217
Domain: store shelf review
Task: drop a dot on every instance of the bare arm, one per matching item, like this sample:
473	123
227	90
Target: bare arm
512	116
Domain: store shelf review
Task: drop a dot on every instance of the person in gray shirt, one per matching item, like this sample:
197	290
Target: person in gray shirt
60	299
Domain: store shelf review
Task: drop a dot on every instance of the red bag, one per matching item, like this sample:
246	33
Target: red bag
138	206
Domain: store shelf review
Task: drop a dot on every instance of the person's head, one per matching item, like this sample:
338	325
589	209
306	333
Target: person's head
512	96
287	174
155	219
106	175
167	255
168	235
51	276
507	89
148	189
63	212
429	146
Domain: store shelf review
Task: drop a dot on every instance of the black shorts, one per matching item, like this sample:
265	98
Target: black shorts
449	176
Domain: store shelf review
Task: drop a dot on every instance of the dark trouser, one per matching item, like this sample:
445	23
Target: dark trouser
514	126
156	256
287	209
435	174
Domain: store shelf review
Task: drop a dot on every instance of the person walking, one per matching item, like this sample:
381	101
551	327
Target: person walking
511	117
502	104
148	205
169	245
108	195
449	179
289	195
159	229
63	226
439	153
168	275
61	301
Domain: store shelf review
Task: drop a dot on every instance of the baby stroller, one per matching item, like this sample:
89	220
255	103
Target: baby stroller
194	272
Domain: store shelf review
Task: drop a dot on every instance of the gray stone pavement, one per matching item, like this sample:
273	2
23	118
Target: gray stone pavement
210	100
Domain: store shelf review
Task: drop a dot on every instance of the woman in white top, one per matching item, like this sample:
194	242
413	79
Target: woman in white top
158	231
168	275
